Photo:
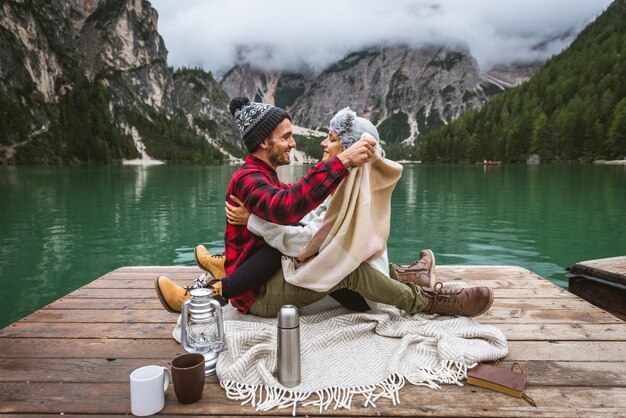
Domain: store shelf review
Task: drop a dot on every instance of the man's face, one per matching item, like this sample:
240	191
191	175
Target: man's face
332	146
280	144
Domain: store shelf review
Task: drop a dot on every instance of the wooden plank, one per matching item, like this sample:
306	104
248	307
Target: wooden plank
513	330
537	293
546	303
569	351
100	315
101	303
613	269
101	370
113	398
153	303
187	274
604	294
94	330
136	283
563	331
94	370
164	346
494	316
110	348
590	315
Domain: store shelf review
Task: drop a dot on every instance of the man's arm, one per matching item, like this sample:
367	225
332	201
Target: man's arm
288	205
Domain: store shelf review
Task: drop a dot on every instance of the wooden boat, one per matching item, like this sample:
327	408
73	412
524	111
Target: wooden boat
488	162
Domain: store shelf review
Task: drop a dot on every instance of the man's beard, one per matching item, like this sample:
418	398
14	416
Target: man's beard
276	159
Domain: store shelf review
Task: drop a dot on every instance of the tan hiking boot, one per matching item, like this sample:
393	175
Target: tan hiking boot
470	301
421	272
170	294
216	292
210	263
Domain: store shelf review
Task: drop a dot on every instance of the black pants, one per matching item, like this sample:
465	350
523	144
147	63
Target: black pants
262	265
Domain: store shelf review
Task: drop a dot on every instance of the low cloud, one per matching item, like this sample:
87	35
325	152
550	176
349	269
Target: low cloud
286	34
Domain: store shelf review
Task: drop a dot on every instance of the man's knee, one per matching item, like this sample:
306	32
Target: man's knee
263	310
351	280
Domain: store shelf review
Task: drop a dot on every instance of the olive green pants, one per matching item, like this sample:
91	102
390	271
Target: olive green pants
365	280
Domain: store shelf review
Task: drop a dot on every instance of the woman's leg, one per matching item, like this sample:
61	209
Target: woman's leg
253	272
365	280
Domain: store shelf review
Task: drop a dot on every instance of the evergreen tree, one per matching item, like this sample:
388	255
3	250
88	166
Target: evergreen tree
571	109
616	140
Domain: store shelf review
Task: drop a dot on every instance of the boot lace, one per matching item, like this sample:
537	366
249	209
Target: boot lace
414	266
202	281
444	296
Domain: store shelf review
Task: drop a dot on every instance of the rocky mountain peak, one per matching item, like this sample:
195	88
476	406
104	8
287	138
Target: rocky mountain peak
406	91
120	38
280	88
78	11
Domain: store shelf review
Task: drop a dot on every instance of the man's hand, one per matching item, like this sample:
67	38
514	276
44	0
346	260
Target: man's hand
236	215
359	153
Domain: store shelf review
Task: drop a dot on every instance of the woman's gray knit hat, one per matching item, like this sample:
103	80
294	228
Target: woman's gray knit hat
255	120
349	127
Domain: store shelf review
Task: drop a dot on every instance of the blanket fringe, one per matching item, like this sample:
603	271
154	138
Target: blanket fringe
265	398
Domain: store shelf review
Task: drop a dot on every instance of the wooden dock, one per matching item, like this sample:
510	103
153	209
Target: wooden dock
601	282
74	356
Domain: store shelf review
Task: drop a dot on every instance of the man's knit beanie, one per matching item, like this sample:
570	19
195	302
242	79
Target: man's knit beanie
349	127
255	120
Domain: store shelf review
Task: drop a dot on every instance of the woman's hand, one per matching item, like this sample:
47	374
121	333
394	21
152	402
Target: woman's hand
236	214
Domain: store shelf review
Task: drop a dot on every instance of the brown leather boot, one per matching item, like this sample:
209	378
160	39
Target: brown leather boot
470	301
210	263
421	272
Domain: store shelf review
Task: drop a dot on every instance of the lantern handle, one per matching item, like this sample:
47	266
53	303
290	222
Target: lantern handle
184	318
219	344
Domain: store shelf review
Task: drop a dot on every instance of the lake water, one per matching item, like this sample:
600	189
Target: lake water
63	227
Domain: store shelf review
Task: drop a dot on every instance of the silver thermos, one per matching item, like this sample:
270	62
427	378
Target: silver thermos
288	346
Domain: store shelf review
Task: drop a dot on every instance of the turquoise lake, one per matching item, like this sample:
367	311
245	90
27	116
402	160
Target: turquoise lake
63	227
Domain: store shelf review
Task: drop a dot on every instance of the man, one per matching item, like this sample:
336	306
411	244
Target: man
268	135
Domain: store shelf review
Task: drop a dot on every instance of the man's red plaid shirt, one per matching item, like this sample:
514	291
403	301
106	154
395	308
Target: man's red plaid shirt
256	184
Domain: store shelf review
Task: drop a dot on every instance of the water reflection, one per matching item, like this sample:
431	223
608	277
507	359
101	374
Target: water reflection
63	227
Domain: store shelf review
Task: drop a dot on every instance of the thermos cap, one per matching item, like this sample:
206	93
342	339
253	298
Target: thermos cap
288	317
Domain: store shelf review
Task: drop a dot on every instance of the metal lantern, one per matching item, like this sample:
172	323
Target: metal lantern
202	327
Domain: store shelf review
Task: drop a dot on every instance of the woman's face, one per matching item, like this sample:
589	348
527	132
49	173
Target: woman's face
332	146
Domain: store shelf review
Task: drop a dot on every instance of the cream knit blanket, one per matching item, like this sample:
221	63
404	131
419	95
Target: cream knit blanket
351	357
355	228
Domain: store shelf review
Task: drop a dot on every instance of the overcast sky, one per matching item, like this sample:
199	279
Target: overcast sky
284	34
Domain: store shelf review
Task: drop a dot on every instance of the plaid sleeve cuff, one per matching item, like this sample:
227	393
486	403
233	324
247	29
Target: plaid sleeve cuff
336	168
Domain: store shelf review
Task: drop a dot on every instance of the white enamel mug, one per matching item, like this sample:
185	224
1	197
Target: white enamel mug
147	390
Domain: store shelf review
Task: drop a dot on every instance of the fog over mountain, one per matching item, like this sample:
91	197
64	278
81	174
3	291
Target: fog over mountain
282	34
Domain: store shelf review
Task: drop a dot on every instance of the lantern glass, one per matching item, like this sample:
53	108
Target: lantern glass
202	337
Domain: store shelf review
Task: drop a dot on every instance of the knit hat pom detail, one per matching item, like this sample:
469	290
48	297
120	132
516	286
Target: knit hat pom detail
343	120
237	103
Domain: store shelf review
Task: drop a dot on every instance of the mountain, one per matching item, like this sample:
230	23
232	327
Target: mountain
572	109
88	81
405	91
280	88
